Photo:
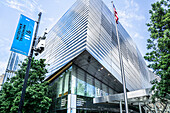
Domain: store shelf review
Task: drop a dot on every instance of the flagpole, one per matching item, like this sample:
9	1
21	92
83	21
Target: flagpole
121	67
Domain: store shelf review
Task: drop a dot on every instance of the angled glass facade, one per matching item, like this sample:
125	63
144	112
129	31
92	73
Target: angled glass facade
68	37
85	32
89	25
102	44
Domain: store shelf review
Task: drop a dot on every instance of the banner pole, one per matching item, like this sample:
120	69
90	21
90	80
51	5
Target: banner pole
28	67
121	67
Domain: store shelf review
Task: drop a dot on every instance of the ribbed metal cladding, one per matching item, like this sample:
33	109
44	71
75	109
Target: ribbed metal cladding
102	44
67	38
89	24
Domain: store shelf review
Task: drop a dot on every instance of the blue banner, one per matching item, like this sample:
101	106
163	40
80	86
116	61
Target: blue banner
23	36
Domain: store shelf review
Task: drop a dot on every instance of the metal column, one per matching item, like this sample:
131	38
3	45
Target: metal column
121	107
140	109
71	106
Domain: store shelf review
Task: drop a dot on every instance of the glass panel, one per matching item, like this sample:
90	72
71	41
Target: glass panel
80	82
66	82
111	91
97	88
90	87
73	80
104	90
73	84
59	86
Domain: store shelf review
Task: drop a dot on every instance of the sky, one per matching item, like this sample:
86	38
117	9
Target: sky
133	15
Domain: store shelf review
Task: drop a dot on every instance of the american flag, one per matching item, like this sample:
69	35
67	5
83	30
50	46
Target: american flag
115	13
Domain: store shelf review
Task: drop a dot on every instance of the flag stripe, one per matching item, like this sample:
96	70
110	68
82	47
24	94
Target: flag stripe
115	14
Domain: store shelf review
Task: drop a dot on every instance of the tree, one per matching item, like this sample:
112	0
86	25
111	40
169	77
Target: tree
36	97
159	49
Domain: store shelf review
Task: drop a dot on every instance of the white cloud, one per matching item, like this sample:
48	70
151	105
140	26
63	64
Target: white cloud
28	6
51	22
130	14
57	1
137	35
50	19
14	4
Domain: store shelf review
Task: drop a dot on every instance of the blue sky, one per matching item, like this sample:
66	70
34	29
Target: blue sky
133	15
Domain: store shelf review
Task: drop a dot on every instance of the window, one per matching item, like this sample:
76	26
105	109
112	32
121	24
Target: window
73	80
111	92
66	82
104	90
59	86
90	87
97	88
80	82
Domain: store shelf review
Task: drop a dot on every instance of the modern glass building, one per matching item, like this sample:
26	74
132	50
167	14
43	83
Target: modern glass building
82	51
12	66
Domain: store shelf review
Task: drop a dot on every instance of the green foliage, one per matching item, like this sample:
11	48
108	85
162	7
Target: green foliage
36	97
159	46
